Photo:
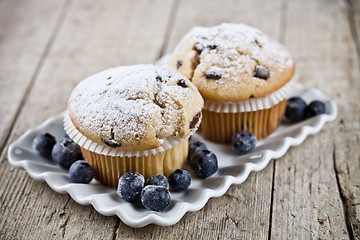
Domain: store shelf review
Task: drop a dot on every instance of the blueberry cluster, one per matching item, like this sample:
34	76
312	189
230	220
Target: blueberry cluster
65	153
153	193
297	110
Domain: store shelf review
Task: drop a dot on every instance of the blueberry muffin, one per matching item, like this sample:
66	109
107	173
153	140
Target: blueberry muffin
134	119
243	75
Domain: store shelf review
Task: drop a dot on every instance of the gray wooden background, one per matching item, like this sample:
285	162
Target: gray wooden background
47	47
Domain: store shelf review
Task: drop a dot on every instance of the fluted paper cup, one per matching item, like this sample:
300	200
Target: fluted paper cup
261	116
110	164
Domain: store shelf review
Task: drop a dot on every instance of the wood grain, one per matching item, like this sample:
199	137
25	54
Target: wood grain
26	30
352	8
47	47
346	153
88	41
307	202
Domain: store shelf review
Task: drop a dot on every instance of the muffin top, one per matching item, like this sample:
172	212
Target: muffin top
232	62
135	107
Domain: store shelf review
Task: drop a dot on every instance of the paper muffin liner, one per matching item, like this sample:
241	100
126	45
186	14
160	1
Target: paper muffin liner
109	169
256	104
109	163
220	127
261	116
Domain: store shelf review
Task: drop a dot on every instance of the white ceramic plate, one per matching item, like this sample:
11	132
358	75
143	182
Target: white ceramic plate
233	169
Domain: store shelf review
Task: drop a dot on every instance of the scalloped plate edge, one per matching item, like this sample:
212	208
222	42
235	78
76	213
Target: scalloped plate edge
153	218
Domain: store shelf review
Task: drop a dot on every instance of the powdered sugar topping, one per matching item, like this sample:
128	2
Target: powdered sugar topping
238	47
250	64
133	107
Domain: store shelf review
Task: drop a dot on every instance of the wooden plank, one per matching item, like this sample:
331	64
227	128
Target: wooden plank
95	35
347	145
352	8
243	213
307	202
26	28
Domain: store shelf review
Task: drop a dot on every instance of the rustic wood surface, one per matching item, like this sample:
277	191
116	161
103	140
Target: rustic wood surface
47	47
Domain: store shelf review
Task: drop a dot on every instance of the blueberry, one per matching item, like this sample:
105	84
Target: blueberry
66	152
295	109
212	75
203	163
195	120
130	186
43	144
314	108
261	72
81	172
179	63
158	180
155	198
179	180
243	142
194	147
182	83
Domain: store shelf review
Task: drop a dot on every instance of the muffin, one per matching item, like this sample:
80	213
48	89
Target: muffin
133	119
243	75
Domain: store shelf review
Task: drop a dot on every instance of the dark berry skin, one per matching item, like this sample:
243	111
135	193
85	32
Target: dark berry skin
295	109
204	163
130	186
194	147
243	142
261	72
65	152
43	144
157	180
81	172
212	75
179	180
314	108
155	198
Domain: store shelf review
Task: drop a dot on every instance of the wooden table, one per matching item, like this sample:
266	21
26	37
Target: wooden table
47	47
